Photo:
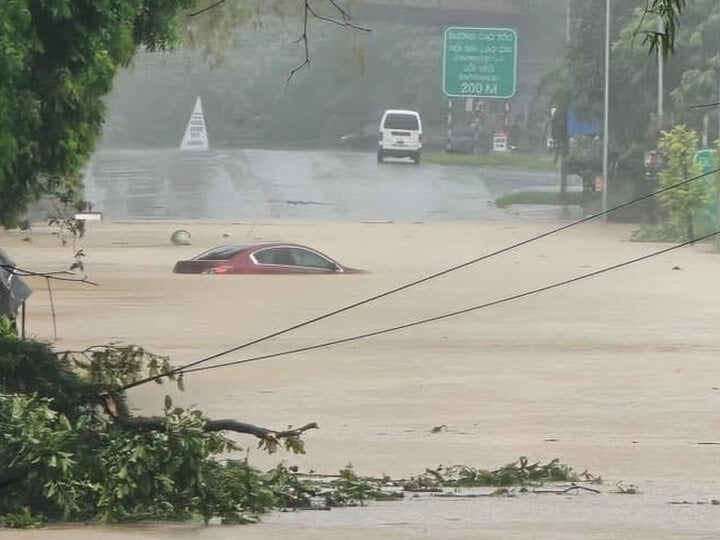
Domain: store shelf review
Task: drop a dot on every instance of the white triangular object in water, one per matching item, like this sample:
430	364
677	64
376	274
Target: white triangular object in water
196	137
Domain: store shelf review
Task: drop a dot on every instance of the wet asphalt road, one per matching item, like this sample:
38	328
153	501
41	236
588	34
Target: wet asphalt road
263	184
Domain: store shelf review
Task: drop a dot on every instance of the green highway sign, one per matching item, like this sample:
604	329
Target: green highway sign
480	62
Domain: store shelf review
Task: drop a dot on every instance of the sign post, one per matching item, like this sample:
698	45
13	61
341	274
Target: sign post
480	63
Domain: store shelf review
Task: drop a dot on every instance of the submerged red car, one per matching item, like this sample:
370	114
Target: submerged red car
270	258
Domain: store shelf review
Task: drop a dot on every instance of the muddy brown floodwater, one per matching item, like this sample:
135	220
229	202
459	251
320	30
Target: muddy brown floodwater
618	375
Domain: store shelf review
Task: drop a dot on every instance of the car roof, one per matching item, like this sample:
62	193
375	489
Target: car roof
258	245
402	111
231	250
275	244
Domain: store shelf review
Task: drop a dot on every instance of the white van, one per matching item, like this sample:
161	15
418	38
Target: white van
400	135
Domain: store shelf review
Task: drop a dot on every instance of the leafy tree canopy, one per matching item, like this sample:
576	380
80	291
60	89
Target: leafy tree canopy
668	11
57	59
690	31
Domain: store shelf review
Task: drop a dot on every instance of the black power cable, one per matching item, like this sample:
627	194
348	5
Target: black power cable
415	283
478	307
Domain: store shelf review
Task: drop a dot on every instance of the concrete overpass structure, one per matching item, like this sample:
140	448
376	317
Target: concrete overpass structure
457	11
497	6
541	24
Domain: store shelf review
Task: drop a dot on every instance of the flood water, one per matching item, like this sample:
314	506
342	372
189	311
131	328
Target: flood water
617	375
260	184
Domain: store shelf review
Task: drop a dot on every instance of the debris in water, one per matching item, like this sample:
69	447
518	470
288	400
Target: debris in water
180	238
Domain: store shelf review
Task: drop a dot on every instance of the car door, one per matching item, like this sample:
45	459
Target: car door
311	261
292	260
274	260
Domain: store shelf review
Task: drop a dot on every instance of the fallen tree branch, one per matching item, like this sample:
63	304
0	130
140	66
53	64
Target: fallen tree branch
61	275
449	495
257	431
145	423
566	490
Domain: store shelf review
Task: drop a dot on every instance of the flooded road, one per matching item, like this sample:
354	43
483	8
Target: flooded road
262	184
617	375
608	516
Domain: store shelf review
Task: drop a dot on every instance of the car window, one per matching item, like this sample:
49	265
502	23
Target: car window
310	259
279	255
401	121
222	253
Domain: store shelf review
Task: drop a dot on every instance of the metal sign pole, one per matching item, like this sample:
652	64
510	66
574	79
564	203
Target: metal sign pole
661	71
606	133
449	145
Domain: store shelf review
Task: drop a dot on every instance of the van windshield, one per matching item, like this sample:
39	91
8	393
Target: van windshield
401	121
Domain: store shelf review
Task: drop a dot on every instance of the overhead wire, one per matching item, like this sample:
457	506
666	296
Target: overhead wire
417	282
459	312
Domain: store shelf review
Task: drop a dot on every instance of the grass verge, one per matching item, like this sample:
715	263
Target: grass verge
538	197
510	160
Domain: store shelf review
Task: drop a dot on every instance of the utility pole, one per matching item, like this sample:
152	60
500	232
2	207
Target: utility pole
661	74
606	123
718	109
563	145
568	21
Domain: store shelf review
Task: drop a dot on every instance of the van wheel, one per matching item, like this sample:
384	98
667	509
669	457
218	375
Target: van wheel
416	159
380	156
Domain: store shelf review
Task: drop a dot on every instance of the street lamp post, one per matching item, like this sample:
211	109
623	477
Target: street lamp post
606	122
